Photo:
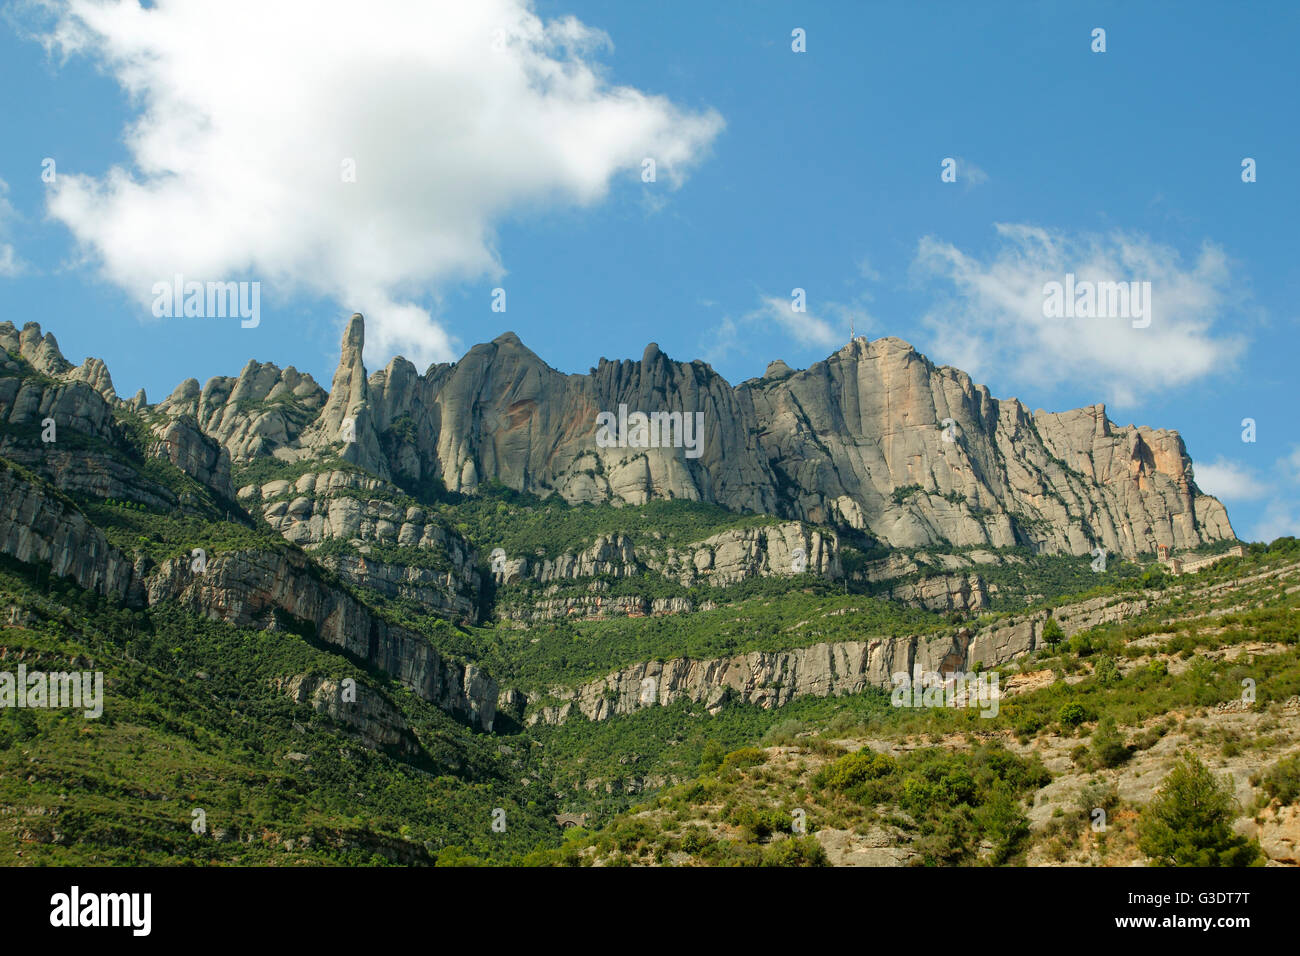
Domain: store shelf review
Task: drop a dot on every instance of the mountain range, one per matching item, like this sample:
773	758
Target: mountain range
875	438
474	579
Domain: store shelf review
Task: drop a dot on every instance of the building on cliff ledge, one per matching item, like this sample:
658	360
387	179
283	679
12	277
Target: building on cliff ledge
1189	565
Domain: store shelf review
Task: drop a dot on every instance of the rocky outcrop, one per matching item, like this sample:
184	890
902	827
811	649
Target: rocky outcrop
349	506
33	401
81	400
262	411
360	709
762	678
95	474
720	560
875	438
597	605
791	548
346	425
41	352
248	588
180	442
608	556
944	592
451	594
784	549
39	526
862	437
788	549
774	678
859	440
440	571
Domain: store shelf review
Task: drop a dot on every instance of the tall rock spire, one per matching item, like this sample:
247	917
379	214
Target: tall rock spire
346	422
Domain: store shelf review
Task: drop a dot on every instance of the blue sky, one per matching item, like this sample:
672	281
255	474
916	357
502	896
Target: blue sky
818	170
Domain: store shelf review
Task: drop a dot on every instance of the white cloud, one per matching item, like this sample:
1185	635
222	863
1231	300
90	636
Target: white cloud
970	174
1281	518
456	115
10	264
867	271
1291	464
806	329
995	323
1230	480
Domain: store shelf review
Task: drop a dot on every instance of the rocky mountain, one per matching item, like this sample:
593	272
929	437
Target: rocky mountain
875	443
875	438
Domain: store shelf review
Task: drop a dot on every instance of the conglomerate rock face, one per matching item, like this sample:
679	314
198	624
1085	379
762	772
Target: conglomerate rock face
774	678
874	438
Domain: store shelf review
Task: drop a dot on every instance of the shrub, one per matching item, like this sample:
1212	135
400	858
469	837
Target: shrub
783	733
744	757
853	770
711	756
1107	745
1282	782
1156	670
1081	644
758	824
1105	671
695	840
795	851
1099	794
1072	714
1001	821
1155	577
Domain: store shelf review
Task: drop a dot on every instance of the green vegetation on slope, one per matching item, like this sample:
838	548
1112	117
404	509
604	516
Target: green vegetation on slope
525	525
192	719
569	652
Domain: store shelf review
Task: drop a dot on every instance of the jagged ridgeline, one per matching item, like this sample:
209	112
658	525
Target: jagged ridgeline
858	441
469	547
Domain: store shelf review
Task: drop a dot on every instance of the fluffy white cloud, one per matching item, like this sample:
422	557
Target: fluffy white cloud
994	321
1230	480
455	114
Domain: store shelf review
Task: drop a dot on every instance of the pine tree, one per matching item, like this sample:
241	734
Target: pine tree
1052	633
1189	823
